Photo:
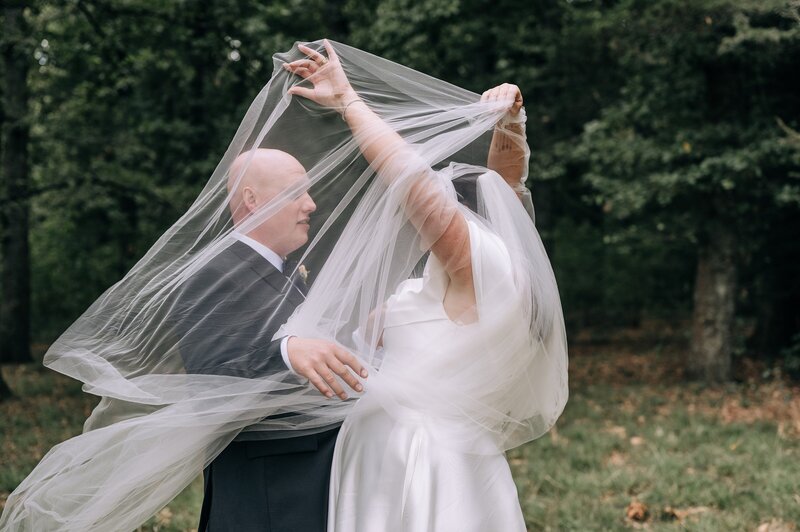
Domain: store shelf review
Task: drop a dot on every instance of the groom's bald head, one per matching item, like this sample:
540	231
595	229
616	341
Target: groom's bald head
266	173
255	178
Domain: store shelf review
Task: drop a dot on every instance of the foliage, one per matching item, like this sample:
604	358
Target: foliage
134	106
697	135
649	123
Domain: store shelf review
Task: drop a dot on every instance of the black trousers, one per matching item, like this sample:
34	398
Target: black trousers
269	486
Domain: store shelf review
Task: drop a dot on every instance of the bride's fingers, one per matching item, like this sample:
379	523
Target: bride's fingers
300	71
507	93
313	54
331	52
515	96
304	63
305	92
503	93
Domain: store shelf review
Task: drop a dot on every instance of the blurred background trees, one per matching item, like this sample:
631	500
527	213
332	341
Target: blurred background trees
665	168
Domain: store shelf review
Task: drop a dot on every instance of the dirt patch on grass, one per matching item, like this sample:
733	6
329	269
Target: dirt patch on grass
655	355
775	402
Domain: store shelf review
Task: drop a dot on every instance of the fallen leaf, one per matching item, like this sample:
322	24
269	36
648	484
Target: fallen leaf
681	514
616	459
776	525
637	511
617	431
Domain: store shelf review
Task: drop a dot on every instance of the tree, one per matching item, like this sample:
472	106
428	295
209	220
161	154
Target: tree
691	147
15	253
133	105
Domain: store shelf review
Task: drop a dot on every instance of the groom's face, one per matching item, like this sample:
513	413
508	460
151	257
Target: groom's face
260	180
287	229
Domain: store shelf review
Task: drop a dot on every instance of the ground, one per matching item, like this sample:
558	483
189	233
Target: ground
636	447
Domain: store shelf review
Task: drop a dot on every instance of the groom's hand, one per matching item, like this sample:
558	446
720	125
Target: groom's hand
320	361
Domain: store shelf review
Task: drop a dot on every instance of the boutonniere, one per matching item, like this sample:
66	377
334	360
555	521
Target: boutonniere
303	272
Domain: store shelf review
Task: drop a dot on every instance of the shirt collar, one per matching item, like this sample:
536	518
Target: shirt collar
271	257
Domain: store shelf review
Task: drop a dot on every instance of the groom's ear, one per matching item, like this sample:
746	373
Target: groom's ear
249	199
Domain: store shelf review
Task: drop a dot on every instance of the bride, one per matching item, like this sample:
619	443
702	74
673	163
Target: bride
423	448
418	260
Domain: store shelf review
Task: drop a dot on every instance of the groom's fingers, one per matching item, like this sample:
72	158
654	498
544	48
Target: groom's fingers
323	363
342	371
319	384
330	380
349	359
336	361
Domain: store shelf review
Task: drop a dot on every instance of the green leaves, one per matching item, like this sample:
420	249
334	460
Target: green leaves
647	122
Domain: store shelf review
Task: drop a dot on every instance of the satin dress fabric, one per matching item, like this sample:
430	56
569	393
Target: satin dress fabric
389	471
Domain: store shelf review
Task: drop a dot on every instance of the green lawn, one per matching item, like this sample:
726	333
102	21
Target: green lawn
690	469
635	448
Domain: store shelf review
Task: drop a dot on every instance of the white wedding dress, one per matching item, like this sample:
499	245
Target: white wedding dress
397	465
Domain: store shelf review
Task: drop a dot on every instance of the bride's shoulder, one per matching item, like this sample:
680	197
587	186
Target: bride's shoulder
408	286
488	249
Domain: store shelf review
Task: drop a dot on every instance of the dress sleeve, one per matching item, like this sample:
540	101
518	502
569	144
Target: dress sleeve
492	271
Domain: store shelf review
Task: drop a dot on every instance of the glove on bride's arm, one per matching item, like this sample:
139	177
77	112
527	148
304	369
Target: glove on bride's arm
508	153
434	215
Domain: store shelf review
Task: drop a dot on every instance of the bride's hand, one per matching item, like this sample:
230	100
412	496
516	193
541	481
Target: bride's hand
330	86
507	93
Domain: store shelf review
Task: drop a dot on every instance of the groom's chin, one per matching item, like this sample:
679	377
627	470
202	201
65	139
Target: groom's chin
300	241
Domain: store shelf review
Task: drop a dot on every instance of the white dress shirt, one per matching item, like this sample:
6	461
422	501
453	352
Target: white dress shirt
276	260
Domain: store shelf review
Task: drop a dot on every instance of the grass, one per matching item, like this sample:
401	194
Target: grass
635	448
619	450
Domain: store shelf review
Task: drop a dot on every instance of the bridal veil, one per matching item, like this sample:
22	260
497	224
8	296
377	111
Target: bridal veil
158	424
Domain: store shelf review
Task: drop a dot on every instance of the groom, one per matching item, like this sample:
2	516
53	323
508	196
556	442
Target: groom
230	310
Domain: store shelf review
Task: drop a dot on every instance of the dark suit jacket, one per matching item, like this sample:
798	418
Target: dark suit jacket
229	311
225	318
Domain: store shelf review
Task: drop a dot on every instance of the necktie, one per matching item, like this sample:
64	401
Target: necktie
289	266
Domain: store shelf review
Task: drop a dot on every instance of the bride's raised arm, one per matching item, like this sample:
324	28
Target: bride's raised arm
435	216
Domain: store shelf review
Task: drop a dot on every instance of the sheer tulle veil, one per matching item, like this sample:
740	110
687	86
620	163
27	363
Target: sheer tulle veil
158	425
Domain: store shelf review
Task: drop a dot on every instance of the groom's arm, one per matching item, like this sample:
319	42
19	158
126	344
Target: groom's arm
227	328
224	328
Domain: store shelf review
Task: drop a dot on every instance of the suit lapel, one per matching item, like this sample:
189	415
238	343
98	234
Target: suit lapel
264	269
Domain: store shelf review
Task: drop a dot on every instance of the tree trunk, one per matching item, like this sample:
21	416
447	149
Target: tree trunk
714	304
15	305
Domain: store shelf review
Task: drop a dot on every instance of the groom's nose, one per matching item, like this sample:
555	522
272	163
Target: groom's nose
309	206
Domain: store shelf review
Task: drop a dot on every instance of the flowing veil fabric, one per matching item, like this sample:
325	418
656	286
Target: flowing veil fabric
159	423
